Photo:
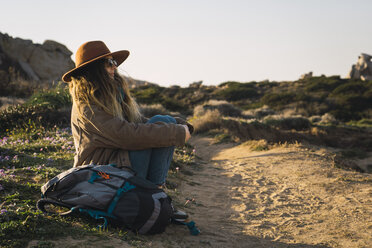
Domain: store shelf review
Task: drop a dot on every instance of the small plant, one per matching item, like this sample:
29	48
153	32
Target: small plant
257	145
361	123
223	138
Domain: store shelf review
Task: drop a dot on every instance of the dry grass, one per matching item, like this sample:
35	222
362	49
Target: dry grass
257	145
212	119
225	108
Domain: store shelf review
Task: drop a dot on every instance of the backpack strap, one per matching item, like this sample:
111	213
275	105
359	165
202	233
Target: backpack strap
96	214
194	230
127	186
155	214
43	202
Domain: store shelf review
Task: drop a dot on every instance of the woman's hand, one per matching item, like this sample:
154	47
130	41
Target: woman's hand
188	135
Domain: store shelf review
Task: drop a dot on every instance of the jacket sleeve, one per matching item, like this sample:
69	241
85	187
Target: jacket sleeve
111	132
179	120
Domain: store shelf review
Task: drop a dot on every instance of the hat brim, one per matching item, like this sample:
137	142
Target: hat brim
119	56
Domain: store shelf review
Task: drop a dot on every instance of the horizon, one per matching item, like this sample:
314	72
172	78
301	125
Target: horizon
178	43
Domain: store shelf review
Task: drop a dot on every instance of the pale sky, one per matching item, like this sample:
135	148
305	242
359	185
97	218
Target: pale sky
177	42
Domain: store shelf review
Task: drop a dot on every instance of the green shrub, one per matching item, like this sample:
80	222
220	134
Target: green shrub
173	105
289	123
225	108
277	100
322	83
234	91
345	114
350	88
147	94
54	98
361	123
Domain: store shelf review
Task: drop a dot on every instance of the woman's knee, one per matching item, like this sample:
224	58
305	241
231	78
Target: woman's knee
162	118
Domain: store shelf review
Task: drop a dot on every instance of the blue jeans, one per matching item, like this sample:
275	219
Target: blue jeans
153	164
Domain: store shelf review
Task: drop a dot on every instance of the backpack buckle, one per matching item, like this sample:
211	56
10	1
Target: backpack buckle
104	175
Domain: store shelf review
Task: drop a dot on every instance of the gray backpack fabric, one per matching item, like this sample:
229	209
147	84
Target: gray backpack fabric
111	194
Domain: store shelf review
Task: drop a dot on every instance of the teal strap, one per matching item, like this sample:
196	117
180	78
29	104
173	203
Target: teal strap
93	177
192	227
97	215
127	186
121	97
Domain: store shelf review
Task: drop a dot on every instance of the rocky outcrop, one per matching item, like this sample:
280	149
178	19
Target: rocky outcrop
134	83
23	59
307	75
362	69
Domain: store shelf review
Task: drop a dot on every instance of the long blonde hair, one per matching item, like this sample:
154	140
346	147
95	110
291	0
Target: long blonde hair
92	85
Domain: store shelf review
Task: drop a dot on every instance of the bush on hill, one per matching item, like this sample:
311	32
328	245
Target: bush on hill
322	83
55	98
289	123
278	100
234	91
44	109
223	107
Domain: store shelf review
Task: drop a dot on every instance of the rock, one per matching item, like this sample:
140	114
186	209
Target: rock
362	69
307	75
196	85
45	62
134	83
28	70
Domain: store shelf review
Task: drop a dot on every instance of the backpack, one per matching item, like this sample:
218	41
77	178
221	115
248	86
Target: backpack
111	194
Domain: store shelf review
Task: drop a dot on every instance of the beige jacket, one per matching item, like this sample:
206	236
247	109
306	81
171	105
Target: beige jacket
108	141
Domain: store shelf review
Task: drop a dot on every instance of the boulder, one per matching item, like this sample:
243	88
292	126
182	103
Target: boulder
362	69
307	75
45	62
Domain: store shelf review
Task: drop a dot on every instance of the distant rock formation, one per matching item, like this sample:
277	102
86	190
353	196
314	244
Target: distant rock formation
196	85
362	69
307	75
134	83
22	59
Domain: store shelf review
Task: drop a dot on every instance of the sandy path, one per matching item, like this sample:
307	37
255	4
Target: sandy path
284	197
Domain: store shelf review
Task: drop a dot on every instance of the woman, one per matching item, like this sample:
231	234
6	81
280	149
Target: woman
106	123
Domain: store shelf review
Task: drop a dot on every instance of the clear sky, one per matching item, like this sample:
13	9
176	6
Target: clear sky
177	42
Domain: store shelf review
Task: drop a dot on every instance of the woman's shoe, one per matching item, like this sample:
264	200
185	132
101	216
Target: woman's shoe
178	215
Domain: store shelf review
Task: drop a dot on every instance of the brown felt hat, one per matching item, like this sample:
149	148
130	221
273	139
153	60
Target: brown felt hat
92	51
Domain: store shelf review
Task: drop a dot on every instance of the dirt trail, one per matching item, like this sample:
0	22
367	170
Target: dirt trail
284	197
